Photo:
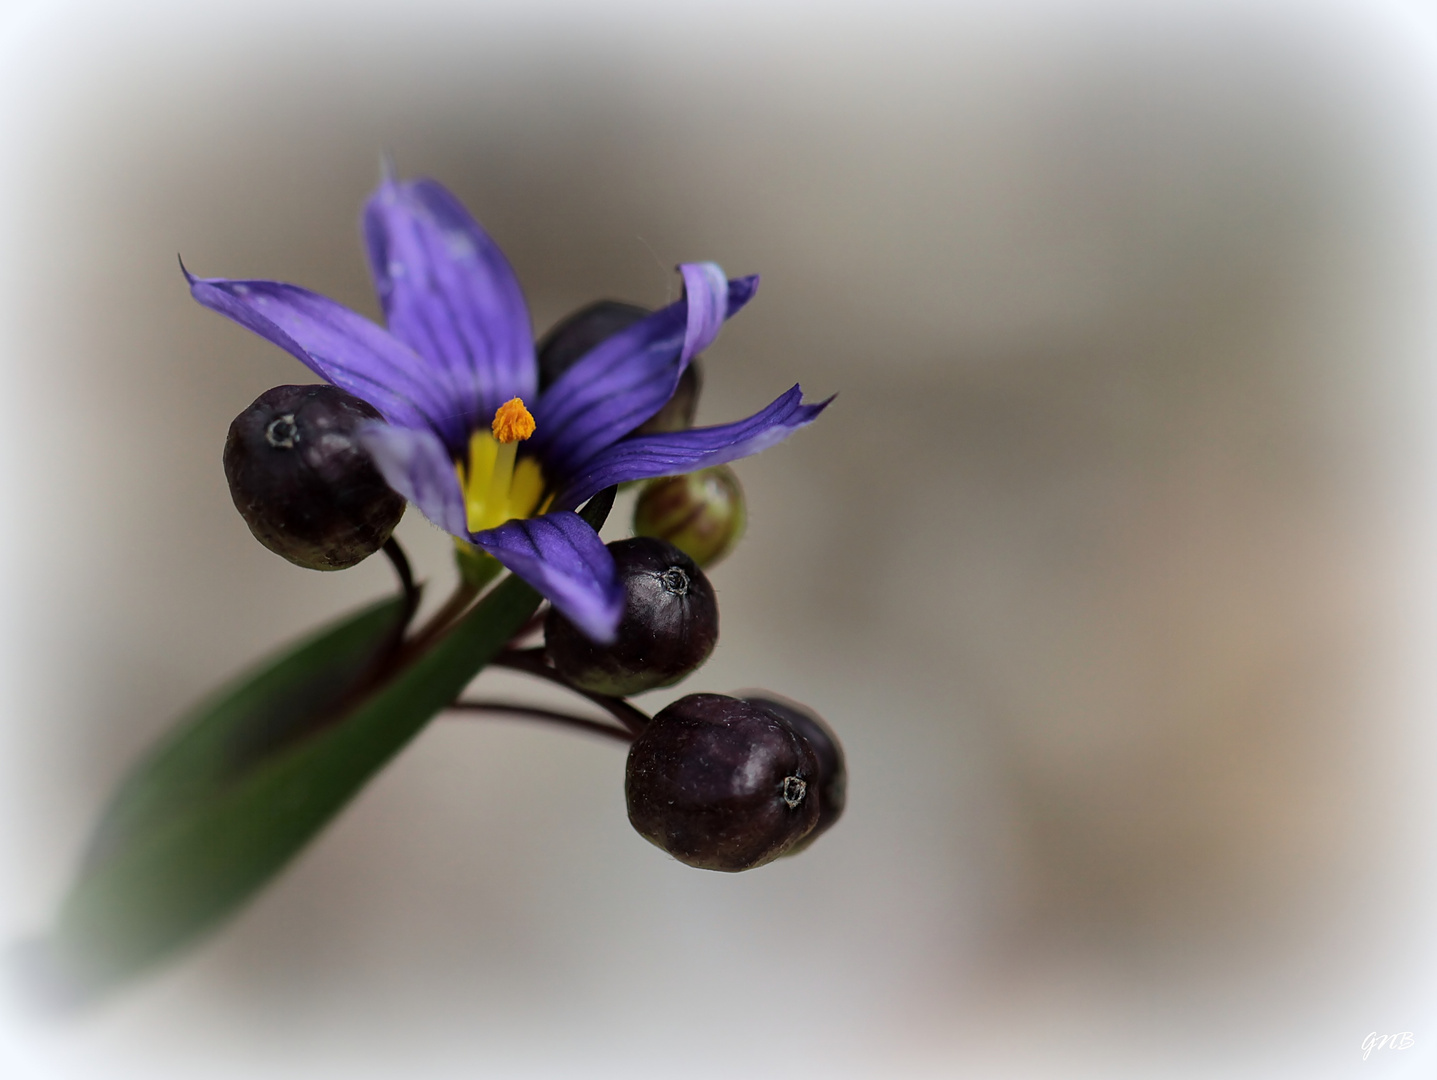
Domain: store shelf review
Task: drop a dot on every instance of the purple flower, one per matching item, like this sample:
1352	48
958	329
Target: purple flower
454	374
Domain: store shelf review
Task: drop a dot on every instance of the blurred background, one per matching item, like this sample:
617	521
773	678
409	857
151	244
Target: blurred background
1112	563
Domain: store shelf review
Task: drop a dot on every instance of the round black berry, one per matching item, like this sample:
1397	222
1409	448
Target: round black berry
722	784
669	626
832	771
576	334
302	483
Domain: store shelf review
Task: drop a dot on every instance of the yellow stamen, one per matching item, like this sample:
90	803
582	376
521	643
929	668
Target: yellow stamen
502	478
512	422
497	485
528	485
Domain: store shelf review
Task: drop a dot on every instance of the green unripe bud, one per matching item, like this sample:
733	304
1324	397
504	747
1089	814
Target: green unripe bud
702	513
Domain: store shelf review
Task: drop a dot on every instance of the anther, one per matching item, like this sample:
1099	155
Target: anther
512	422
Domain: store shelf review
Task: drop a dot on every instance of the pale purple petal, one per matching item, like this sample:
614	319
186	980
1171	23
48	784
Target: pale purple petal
564	559
625	380
706	293
414	463
341	347
677	452
449	293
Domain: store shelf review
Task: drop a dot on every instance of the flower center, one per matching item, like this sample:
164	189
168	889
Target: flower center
496	487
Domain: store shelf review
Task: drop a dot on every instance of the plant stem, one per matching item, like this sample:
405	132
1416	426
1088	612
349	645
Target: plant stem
406	579
531	661
457	604
536	713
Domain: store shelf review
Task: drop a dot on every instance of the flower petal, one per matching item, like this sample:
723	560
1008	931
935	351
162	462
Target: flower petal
626	379
707	294
564	559
340	346
414	463
677	452
449	293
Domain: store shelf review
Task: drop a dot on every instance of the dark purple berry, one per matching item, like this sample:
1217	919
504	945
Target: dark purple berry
302	483
722	784
669	626
576	334
832	772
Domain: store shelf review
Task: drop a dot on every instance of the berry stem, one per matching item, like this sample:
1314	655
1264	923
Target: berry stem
406	578
532	662
457	604
536	713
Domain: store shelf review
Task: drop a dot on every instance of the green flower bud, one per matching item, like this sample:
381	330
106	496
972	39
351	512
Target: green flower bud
702	514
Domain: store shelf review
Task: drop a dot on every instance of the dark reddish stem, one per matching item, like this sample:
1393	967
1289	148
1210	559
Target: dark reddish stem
457	604
406	578
535	713
532	662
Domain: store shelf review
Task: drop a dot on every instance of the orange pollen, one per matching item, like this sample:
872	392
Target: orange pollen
512	422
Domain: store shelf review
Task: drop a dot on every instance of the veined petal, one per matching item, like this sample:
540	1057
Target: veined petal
678	452
341	347
415	463
626	379
449	293
564	559
706	292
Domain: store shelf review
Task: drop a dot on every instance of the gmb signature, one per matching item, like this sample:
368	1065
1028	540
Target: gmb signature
1398	1040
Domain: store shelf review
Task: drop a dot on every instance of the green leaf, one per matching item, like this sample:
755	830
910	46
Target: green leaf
169	878
279	700
253	776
